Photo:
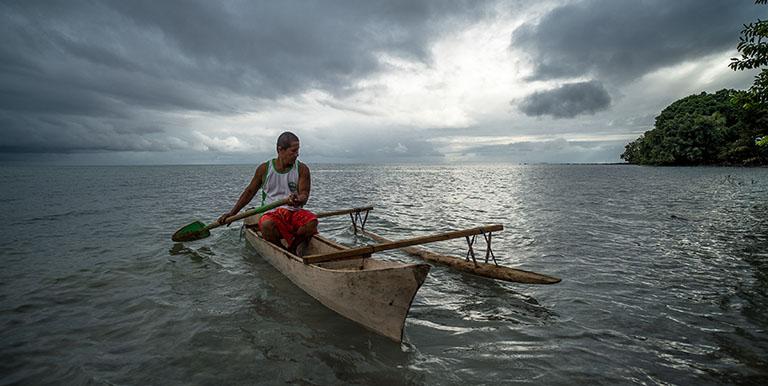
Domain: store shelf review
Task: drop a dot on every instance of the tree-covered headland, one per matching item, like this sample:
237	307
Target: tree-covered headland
704	129
728	127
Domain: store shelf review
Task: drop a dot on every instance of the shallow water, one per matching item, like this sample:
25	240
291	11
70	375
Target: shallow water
665	278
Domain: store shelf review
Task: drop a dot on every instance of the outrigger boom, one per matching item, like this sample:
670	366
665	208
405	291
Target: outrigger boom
491	270
371	249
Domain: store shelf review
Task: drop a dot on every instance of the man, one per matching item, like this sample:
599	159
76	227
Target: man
278	178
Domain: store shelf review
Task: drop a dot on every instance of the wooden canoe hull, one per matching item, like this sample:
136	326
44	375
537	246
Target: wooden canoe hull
374	293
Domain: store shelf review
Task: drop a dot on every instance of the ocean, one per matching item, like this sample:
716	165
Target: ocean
664	278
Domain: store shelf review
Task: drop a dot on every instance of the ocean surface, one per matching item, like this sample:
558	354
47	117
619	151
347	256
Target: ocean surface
664	278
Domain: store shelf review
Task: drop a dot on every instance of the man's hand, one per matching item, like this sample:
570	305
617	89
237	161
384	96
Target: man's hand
297	199
223	218
293	200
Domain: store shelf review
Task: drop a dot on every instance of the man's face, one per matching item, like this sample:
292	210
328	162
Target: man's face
288	155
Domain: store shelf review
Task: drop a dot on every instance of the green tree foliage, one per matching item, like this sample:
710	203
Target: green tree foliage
753	46
703	129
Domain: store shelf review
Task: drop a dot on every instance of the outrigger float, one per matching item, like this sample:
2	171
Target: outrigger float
373	292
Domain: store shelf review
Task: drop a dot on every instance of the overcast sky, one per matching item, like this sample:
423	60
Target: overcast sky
126	82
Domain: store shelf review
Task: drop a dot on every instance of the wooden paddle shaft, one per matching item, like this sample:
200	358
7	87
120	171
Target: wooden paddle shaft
251	212
319	215
248	213
370	249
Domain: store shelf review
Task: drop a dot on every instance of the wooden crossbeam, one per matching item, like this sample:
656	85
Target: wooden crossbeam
370	249
344	211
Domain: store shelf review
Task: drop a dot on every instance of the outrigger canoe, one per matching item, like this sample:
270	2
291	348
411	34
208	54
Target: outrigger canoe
374	293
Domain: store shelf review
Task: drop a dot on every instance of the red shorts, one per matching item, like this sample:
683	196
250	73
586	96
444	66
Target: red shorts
288	221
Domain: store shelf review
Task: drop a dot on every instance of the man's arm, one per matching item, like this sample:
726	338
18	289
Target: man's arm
302	191
248	193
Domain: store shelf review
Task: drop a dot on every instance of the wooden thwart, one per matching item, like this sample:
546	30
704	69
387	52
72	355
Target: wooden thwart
370	249
344	211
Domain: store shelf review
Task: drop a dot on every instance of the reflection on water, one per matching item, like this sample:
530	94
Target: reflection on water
665	278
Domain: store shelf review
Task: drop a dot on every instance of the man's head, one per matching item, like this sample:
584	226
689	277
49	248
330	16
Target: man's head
288	148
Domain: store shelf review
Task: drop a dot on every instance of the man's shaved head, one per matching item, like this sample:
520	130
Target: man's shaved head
285	139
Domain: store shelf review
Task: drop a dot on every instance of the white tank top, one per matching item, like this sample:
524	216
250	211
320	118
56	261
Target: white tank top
277	186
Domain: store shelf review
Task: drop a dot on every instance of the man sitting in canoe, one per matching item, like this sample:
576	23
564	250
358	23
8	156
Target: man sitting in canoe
278	178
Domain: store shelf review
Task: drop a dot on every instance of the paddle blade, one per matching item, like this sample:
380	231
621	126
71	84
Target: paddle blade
193	231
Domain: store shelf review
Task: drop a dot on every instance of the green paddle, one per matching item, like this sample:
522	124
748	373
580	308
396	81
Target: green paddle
197	230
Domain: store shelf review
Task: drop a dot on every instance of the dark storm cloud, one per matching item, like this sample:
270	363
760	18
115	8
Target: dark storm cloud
567	101
52	134
618	41
81	75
